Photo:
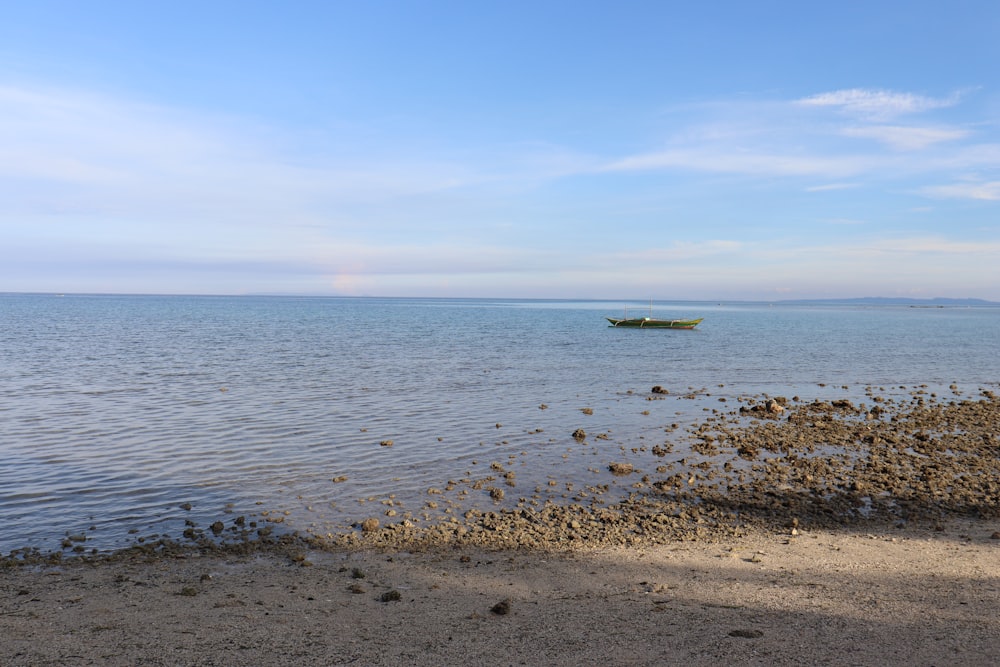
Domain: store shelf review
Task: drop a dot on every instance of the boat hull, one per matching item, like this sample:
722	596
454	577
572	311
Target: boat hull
652	323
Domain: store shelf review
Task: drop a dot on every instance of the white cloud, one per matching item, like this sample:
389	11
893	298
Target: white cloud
905	138
743	162
877	103
989	191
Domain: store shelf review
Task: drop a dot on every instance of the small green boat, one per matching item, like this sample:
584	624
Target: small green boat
653	323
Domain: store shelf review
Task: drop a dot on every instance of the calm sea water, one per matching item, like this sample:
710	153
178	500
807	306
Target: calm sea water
116	412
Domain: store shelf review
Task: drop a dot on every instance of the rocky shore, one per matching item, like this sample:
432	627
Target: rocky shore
773	464
795	532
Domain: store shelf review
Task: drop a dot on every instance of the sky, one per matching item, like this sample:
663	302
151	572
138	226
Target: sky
541	149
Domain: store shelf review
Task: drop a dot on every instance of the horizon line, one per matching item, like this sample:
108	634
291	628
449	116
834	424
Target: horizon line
298	295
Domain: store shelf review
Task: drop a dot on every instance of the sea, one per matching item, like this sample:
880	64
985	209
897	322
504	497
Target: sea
129	418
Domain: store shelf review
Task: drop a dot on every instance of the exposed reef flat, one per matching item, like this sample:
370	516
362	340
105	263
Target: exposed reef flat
800	532
772	464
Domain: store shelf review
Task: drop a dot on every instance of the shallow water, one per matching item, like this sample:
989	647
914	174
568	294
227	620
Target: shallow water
117	410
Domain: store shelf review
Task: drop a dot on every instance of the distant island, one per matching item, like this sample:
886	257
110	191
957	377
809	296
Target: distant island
897	301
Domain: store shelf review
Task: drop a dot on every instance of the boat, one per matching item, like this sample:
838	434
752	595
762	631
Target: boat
652	322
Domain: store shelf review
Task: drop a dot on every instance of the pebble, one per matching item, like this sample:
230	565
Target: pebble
746	634
501	608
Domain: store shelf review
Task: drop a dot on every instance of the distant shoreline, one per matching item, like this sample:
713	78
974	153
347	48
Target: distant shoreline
893	301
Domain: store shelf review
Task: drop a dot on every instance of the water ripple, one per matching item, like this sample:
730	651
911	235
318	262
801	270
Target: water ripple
119	413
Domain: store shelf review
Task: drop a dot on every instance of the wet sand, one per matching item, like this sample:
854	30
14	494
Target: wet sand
811	533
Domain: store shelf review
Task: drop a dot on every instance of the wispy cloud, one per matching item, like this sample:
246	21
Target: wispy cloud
877	104
775	139
988	191
938	245
194	197
174	172
906	138
682	251
831	186
736	161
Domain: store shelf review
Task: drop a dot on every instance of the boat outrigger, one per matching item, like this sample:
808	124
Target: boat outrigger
652	322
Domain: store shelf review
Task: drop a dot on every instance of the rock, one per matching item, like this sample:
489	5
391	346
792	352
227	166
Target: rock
580	434
659	390
501	608
391	596
621	468
386	443
369	525
746	634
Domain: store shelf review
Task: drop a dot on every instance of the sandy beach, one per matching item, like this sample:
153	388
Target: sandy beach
905	597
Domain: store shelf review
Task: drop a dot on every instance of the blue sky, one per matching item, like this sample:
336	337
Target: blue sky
718	150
